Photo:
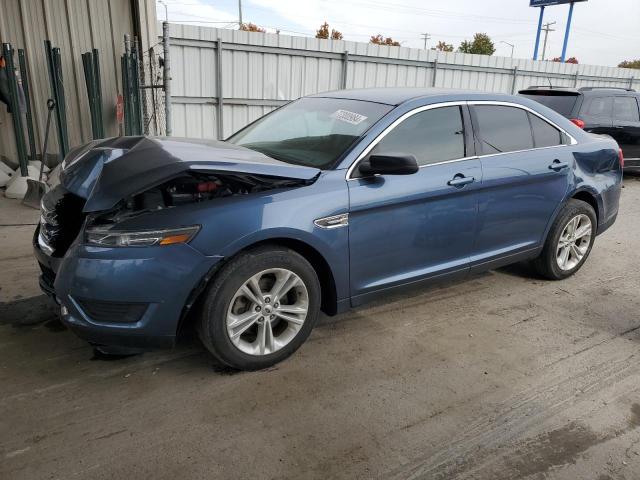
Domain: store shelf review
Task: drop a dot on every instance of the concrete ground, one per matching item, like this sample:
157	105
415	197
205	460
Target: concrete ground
503	376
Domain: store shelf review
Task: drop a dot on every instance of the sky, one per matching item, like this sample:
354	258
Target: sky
604	32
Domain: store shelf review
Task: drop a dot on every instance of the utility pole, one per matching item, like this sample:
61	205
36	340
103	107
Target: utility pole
240	13
547	28
426	37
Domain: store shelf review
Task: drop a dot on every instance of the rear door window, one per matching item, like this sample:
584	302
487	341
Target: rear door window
625	109
503	129
544	134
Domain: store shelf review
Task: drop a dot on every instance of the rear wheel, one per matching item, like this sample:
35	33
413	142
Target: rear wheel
569	241
260	308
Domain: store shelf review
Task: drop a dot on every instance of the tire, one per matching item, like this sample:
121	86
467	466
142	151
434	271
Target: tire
229	300
549	263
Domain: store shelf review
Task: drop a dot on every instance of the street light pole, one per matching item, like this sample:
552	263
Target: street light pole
510	44
166	13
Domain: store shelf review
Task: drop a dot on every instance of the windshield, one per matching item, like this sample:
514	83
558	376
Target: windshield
314	132
561	102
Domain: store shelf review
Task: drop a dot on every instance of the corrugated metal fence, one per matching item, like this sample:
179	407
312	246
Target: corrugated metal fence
224	79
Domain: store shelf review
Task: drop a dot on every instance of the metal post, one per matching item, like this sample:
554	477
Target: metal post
98	83
239	13
219	91
61	104
435	72
566	34
135	91
90	84
57	92
345	69
166	78
515	78
16	114
27	97
631	82
126	87
535	51
575	80
154	101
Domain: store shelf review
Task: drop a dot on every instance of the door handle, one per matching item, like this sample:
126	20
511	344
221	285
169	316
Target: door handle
557	165
460	181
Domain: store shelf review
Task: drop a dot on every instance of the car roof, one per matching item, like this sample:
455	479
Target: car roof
399	95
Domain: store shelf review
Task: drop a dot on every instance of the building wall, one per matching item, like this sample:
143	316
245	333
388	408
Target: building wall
260	71
75	26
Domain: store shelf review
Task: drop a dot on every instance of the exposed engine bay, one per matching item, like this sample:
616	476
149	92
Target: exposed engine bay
191	188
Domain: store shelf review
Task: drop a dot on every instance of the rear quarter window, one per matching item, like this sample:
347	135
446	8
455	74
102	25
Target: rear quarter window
625	109
544	134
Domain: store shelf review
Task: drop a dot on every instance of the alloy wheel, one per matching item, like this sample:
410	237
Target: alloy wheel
574	242
267	311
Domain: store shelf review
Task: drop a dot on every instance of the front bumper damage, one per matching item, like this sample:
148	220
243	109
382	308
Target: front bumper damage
124	297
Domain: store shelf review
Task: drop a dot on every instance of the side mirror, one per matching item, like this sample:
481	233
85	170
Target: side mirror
389	164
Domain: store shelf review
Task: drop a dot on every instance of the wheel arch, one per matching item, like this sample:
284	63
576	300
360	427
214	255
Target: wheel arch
328	289
590	197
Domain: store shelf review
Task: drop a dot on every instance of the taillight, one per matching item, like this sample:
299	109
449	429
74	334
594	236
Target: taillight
578	122
621	157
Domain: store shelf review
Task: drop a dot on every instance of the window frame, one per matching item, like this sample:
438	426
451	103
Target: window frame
471	128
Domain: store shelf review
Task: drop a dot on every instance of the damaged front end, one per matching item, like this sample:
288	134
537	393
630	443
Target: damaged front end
107	183
118	195
196	187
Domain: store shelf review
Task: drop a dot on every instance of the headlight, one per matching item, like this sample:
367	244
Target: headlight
144	238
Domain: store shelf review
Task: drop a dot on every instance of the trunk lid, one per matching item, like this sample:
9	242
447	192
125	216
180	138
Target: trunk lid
105	171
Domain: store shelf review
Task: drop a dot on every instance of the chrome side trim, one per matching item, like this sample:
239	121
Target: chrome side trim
386	131
335	221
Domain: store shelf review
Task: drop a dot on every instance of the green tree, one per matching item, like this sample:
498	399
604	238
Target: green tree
380	40
481	45
630	64
323	32
251	27
443	47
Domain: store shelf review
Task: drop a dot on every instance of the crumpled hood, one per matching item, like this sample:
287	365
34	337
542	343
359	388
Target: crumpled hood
106	171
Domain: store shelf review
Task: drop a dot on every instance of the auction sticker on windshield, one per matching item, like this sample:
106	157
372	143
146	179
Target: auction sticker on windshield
349	117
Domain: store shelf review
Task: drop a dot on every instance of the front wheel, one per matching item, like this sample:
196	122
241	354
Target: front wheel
569	241
260	308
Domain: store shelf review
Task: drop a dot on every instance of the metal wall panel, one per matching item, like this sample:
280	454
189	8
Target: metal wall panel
76	26
260	71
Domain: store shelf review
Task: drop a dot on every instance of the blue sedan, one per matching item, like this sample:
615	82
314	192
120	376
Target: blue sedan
323	204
